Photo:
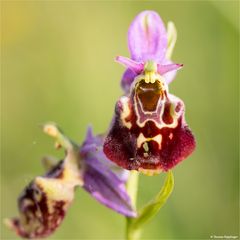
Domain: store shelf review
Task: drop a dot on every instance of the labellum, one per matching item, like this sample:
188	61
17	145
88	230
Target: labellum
149	130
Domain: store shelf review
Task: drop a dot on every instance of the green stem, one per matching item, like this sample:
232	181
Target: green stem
135	225
132	188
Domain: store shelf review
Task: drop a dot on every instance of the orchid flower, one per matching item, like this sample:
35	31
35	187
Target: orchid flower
149	131
45	201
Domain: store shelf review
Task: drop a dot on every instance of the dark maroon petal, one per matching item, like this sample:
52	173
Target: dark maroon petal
43	204
93	145
160	141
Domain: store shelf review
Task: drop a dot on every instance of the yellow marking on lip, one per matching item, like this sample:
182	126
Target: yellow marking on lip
55	189
145	147
158	139
160	124
125	112
142	140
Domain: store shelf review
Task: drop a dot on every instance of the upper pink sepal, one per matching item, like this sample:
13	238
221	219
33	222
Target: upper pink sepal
147	37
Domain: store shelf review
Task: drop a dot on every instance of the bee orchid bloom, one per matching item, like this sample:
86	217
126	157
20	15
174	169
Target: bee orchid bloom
43	204
148	131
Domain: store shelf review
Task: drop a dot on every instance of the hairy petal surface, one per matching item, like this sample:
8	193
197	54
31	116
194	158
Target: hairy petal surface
44	202
157	140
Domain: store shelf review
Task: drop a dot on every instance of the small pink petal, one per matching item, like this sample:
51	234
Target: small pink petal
136	67
162	69
169	76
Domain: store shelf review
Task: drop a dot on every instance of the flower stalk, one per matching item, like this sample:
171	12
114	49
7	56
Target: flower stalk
135	225
132	189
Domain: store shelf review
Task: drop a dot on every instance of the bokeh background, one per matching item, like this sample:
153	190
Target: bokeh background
57	64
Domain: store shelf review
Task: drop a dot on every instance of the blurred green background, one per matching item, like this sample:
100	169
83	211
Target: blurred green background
57	64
